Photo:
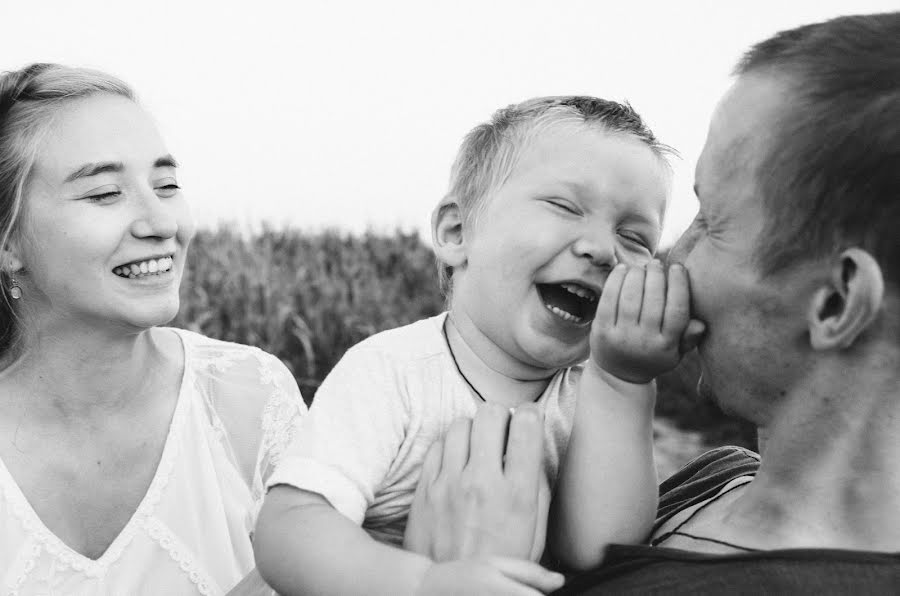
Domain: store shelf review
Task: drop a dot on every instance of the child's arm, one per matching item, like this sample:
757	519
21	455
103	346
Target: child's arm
304	546
607	491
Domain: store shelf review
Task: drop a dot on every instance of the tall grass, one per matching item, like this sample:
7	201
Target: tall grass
308	297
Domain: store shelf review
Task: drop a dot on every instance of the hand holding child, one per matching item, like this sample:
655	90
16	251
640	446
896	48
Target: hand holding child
643	325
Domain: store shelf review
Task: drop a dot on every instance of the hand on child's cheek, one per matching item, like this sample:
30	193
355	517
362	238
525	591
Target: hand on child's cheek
470	502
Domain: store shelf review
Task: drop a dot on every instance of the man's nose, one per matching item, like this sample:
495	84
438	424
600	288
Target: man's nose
685	244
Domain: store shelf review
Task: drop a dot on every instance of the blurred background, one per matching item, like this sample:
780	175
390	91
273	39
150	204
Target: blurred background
315	137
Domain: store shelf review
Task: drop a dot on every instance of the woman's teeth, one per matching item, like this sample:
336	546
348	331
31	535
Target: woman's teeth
144	268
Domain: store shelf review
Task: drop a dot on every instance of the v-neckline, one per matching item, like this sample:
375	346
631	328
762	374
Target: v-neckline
22	508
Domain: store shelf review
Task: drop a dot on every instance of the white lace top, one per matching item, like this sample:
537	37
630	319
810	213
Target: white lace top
236	411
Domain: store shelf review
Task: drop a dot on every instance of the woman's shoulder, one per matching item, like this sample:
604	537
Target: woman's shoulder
250	392
207	352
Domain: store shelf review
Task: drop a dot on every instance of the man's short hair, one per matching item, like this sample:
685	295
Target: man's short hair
490	151
831	178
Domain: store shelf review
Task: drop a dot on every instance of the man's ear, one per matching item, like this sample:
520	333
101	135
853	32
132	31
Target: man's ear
447	233
848	303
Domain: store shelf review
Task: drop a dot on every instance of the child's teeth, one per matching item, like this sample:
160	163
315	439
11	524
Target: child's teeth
579	291
135	269
152	266
563	314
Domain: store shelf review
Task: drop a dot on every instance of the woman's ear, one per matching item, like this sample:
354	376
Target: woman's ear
10	261
447	233
848	303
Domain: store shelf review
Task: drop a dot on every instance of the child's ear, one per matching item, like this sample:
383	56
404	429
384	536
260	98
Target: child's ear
848	303
447	233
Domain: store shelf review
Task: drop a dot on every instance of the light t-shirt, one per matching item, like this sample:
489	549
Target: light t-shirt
236	411
375	416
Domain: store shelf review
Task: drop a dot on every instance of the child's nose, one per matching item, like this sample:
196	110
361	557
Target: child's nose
599	249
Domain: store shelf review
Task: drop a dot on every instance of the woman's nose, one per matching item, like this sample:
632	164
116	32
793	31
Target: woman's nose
155	218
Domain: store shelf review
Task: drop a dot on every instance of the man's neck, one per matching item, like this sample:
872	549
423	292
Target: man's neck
829	475
493	374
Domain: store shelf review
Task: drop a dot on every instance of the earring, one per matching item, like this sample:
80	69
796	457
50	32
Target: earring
15	291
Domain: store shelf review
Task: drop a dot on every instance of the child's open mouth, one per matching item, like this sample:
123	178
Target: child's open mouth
569	301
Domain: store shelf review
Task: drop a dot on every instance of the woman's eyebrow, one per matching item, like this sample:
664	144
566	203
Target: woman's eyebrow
166	161
92	169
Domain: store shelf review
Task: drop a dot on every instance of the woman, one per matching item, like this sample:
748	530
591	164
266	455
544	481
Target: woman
132	456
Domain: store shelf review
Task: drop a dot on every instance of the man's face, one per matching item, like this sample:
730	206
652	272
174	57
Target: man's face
755	323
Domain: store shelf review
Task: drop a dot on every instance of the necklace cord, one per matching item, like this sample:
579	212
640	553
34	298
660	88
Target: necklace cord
677	531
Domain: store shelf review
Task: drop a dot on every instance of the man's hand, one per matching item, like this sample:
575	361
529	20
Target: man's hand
643	324
472	501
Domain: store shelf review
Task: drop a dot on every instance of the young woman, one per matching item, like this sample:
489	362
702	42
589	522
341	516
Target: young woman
132	456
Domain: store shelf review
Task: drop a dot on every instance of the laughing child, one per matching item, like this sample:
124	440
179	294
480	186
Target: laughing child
545	242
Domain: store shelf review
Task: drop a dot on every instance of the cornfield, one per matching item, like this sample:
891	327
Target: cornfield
308	297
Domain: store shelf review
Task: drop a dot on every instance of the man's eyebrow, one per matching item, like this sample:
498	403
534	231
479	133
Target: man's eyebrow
92	169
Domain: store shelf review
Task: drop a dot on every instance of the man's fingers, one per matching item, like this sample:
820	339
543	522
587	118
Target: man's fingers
525	449
678	301
609	298
529	574
456	446
488	438
631	296
654	300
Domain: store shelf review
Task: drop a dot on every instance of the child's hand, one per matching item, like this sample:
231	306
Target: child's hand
495	575
643	323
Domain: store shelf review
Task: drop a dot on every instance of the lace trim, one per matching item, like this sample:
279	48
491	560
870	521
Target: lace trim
49	542
280	416
181	555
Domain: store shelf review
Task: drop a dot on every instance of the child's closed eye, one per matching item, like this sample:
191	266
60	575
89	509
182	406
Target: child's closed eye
564	205
636	239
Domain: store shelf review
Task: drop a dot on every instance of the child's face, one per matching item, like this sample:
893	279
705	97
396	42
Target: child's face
578	201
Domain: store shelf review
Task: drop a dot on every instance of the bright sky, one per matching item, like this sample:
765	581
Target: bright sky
348	114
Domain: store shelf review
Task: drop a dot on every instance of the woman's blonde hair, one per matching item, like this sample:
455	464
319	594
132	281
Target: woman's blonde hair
29	100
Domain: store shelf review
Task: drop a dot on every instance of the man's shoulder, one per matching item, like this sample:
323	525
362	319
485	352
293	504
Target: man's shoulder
656	570
703	477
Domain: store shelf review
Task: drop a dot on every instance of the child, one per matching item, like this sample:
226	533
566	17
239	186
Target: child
544	202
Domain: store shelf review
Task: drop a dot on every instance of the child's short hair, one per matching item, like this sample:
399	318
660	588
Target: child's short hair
490	150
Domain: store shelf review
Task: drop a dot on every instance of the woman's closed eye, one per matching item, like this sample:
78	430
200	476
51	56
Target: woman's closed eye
102	195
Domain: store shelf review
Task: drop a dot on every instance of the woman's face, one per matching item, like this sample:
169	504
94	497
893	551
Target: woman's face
104	227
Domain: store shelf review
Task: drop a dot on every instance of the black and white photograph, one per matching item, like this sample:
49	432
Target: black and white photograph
477	298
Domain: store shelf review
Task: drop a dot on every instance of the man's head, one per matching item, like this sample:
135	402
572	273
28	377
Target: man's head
544	201
799	205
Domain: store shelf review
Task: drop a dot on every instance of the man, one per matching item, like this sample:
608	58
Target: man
794	261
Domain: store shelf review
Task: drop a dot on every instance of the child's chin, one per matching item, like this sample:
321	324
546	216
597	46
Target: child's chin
556	357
